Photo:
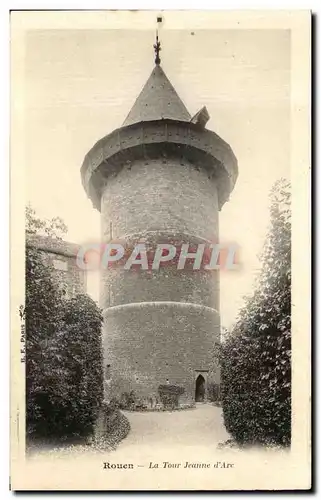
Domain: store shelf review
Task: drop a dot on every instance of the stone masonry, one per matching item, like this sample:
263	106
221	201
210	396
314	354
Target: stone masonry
60	256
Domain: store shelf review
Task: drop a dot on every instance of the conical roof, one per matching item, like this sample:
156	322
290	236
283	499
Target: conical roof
158	100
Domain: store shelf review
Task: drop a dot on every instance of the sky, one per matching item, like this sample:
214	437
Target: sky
79	85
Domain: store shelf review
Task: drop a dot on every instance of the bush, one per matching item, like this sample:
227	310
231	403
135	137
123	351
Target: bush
66	391
213	392
113	426
256	356
169	395
128	400
81	366
42	314
256	389
64	377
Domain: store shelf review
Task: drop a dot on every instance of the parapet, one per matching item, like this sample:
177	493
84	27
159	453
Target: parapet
159	139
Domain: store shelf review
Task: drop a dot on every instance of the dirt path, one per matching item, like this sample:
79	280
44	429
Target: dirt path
202	426
155	434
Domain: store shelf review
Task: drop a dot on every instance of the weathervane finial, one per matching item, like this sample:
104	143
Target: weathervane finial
157	49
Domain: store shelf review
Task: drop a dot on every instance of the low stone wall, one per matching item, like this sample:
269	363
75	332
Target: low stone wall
162	409
110	430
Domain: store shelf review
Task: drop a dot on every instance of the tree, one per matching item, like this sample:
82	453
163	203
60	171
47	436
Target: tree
256	357
54	227
42	313
63	348
79	370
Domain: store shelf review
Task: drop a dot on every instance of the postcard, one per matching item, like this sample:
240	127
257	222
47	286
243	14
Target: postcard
160	242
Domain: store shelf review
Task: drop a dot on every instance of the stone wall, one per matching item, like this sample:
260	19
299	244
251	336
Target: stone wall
60	257
160	195
161	327
156	343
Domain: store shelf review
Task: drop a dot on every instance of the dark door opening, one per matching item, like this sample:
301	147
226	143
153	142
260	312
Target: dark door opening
200	389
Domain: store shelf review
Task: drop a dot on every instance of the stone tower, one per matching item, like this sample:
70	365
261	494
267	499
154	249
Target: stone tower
160	178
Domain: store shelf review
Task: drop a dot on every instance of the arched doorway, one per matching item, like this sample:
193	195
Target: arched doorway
200	389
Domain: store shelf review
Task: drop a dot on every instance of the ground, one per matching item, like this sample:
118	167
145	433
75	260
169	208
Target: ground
163	451
194	427
155	432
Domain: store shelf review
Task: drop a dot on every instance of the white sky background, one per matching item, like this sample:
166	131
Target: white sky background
81	84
